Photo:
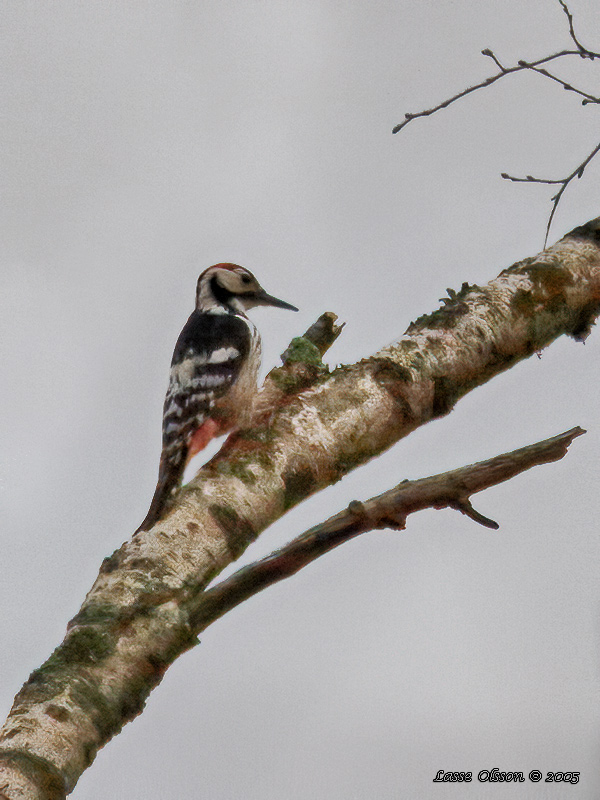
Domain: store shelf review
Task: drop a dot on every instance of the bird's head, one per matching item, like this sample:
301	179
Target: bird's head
233	287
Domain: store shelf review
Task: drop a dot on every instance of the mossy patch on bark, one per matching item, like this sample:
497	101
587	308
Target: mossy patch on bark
238	530
452	309
299	484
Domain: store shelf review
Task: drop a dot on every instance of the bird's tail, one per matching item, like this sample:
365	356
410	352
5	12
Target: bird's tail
170	473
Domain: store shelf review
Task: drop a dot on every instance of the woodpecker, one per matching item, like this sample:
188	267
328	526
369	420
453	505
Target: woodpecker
213	375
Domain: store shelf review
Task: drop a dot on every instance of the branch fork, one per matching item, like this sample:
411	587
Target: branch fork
150	599
533	66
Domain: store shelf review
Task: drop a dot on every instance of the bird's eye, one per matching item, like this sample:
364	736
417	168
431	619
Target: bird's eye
246	279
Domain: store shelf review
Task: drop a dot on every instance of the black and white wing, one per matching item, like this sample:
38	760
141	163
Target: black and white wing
208	357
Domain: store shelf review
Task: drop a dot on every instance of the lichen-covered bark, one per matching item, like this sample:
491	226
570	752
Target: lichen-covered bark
134	621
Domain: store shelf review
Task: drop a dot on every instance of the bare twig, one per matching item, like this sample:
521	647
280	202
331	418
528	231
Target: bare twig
587	98
532	66
503	72
388	510
585	53
562	182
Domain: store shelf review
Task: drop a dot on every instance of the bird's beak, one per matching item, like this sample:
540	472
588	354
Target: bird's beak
263	299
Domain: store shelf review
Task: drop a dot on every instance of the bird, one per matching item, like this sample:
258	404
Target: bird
213	376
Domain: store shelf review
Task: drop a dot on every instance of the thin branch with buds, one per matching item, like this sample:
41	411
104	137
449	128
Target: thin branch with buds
562	182
532	66
585	53
503	72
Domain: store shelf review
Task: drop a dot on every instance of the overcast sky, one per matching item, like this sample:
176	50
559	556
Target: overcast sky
142	142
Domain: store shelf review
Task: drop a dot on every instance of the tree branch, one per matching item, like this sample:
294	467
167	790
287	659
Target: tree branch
503	72
302	365
388	510
562	182
585	53
533	66
137	618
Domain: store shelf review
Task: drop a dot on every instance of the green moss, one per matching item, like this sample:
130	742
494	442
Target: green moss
296	376
238	530
284	380
263	459
112	562
45	678
236	468
424	321
445	394
302	351
97	613
298	484
82	645
550	281
108	712
464	290
263	435
523	302
52	678
302	366
133	697
86	645
452	309
557	305
346	462
349	460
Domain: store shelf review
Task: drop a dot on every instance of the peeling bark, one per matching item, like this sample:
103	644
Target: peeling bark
313	427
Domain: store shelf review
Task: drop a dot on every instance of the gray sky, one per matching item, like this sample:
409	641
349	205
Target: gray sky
144	141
